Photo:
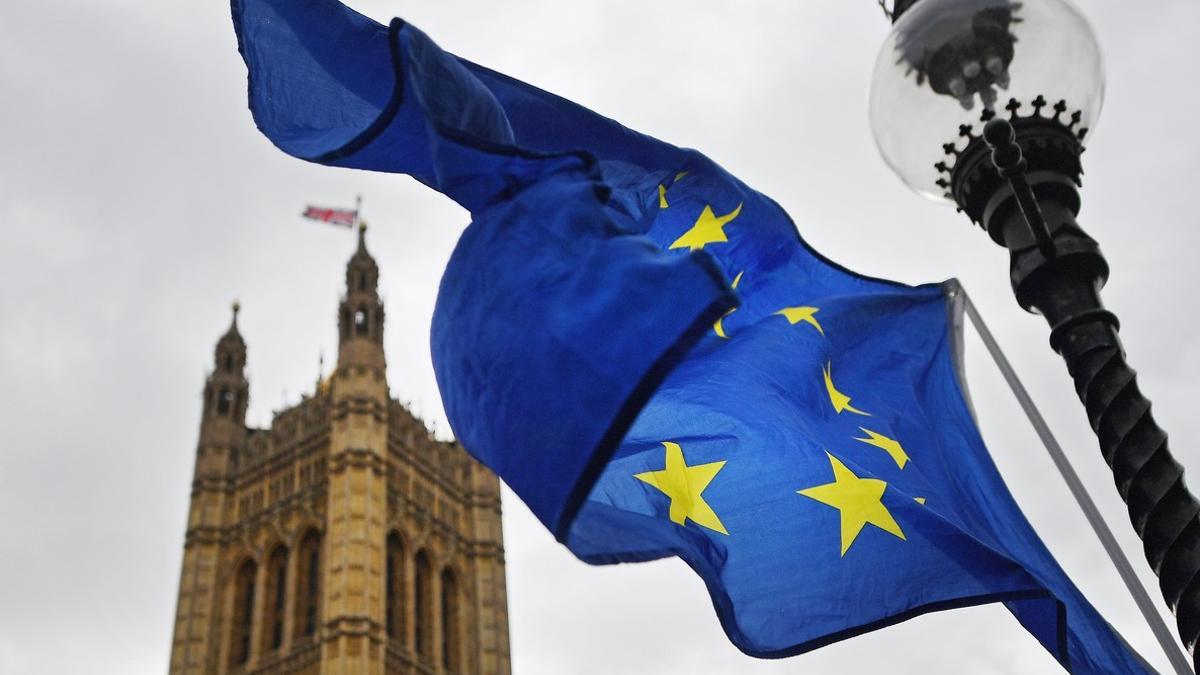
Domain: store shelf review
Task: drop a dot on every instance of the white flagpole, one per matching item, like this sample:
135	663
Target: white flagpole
1165	639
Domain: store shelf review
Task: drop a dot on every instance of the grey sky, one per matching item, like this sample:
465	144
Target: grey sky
137	200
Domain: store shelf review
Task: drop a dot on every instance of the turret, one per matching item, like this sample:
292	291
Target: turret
222	436
357	476
226	395
360	316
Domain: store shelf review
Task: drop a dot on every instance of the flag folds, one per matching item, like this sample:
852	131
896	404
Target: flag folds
644	349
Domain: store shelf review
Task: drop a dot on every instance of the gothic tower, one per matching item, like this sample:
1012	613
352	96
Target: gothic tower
343	539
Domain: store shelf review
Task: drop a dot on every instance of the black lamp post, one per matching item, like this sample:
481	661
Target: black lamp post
987	103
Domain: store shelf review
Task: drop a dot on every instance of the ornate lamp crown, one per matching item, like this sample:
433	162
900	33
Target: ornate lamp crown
1050	143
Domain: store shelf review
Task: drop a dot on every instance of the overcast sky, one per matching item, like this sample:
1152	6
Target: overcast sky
137	200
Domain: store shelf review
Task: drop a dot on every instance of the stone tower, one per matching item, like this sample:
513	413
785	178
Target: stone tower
343	539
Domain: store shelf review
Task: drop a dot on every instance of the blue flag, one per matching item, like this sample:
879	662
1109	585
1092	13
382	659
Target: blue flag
645	350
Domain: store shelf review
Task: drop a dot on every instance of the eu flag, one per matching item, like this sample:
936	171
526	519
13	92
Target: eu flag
647	352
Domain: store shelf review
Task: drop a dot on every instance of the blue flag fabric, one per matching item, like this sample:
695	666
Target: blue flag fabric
644	349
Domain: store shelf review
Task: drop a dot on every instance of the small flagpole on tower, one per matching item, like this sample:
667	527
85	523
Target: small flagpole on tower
358	209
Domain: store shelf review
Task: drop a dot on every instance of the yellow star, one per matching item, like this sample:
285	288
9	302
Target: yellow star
709	229
888	445
840	401
859	501
717	327
662	197
795	315
684	485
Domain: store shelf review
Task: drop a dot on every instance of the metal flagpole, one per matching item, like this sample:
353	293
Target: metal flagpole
1140	597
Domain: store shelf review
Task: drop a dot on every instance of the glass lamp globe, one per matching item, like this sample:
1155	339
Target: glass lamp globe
951	63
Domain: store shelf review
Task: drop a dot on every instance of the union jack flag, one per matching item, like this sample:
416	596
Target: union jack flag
342	217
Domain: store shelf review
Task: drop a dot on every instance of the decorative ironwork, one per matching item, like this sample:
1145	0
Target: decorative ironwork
1048	143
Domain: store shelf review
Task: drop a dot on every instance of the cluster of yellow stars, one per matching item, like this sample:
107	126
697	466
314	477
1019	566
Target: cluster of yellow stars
859	501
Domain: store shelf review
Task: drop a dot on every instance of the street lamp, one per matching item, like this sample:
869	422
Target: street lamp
987	104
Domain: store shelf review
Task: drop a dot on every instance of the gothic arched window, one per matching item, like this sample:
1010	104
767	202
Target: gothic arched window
395	588
274	597
362	281
308	585
243	611
450	620
361	326
423	604
224	402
